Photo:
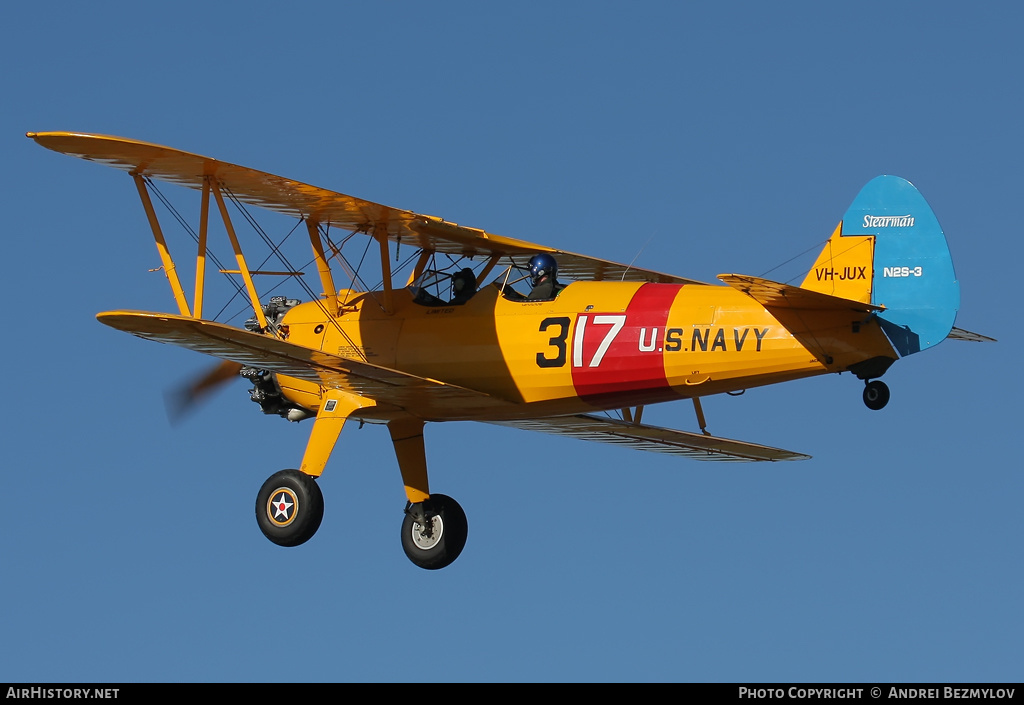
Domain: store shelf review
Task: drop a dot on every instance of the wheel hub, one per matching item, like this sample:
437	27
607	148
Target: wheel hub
283	506
426	536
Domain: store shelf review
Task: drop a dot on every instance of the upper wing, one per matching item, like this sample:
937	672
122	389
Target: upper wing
386	386
327	207
654	438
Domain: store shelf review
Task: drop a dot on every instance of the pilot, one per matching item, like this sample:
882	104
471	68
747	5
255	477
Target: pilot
543	277
463	286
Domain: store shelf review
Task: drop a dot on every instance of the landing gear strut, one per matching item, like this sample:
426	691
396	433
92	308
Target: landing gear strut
876	394
290	505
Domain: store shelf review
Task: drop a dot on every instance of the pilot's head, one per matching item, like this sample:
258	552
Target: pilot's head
542	265
463	282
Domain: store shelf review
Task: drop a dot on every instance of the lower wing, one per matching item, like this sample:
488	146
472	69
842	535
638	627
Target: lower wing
653	438
424	397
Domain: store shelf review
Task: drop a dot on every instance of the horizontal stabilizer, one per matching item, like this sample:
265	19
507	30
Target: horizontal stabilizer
775	295
653	438
961	334
840	332
384	385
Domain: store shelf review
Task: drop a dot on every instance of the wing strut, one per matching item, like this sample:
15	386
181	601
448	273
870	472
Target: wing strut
209	184
380	233
488	267
243	268
161	246
421	264
204	226
326	279
633	417
701	421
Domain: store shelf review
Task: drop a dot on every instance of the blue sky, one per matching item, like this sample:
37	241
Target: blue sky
728	138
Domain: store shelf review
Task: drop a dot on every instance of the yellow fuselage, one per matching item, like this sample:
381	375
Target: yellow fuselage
598	345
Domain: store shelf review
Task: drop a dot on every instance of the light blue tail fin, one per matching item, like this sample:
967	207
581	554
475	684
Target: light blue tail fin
912	274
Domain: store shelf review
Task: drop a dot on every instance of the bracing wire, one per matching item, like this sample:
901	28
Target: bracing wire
794	257
188	228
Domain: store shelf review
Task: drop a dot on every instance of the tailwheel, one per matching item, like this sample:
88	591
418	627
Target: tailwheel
289	508
876	394
434	532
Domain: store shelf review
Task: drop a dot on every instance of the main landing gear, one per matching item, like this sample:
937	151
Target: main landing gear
290	505
289	508
434	532
876	394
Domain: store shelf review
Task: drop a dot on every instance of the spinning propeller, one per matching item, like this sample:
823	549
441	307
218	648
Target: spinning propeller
186	397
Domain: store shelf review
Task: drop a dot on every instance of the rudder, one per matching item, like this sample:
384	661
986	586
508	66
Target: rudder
889	250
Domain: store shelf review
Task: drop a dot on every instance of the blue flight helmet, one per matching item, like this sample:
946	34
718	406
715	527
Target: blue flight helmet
542	265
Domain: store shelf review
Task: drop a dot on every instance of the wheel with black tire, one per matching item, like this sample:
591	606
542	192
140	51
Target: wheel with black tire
434	532
876	395
289	508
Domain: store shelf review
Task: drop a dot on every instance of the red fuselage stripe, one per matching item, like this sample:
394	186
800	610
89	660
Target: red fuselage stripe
616	353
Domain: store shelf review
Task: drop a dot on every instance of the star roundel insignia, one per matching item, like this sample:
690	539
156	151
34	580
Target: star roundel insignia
283	506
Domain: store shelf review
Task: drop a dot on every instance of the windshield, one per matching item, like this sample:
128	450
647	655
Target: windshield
437	288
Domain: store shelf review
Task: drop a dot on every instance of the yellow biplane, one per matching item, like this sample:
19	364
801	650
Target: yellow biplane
458	337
